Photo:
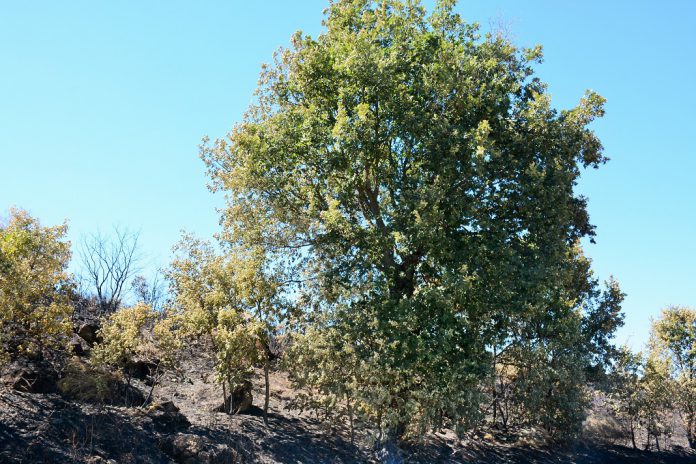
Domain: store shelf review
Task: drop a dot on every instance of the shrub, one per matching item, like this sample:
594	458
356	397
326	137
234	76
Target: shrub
139	334
34	287
85	383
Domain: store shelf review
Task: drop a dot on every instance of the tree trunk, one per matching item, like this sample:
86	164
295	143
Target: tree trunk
128	388
495	405
233	405
350	419
379	428
155	381
225	406
495	390
266	367
633	435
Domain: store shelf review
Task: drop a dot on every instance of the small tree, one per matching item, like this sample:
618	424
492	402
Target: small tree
34	286
205	299
656	398
625	389
236	337
674	340
137	333
257	292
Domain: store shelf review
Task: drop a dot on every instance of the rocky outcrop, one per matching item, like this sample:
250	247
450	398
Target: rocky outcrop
140	369
83	383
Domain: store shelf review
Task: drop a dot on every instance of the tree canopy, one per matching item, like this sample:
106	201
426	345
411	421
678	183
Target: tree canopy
412	177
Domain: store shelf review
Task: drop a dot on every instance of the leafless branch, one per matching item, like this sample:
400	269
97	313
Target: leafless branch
109	262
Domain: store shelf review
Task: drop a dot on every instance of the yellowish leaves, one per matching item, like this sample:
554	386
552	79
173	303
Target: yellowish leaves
534	54
236	338
124	335
226	298
139	332
481	138
34	284
332	218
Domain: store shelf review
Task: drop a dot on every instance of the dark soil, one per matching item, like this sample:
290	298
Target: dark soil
47	428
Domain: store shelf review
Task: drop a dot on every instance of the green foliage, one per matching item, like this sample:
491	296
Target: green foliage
413	179
34	286
548	359
625	391
124	336
657	393
326	372
139	333
673	340
225	299
549	386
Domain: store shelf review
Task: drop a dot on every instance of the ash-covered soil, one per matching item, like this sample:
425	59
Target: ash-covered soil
181	426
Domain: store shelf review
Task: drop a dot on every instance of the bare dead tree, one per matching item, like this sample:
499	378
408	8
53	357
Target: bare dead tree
151	292
108	264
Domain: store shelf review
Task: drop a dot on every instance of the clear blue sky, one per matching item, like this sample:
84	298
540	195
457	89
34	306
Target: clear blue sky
103	104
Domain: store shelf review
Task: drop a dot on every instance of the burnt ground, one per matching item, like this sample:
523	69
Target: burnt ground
46	428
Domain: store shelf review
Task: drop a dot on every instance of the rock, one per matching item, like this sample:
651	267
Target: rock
141	369
89	333
389	454
239	401
30	377
166	406
187	448
83	383
167	418
77	346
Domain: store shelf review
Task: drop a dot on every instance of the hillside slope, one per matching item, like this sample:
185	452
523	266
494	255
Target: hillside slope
181	426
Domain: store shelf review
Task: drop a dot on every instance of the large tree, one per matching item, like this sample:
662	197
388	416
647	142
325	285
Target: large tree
413	180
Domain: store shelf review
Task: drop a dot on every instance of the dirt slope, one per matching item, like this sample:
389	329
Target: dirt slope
45	428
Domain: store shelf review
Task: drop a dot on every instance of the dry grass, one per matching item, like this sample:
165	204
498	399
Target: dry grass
84	383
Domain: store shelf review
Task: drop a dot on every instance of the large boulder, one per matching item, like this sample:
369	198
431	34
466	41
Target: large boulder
185	448
83	383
